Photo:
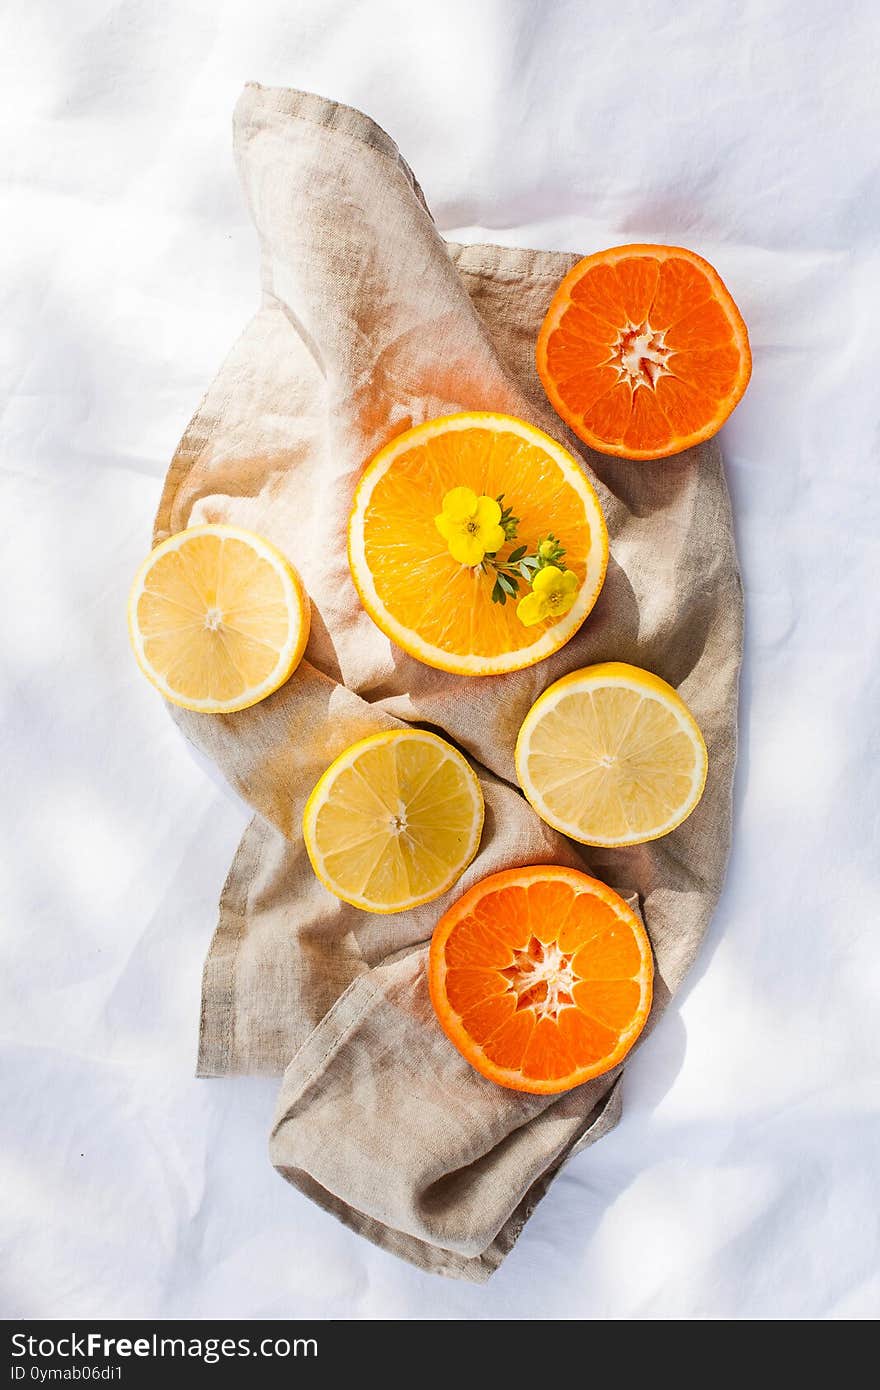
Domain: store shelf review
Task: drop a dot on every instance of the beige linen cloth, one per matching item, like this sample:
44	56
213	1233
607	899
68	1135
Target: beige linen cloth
370	323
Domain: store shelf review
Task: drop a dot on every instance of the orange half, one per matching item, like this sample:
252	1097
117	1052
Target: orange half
438	610
643	351
541	977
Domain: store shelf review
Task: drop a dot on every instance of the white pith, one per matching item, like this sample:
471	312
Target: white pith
213	616
542	965
640	355
549	641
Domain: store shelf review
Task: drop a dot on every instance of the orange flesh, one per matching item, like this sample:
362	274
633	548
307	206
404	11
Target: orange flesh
417	579
643	351
541	978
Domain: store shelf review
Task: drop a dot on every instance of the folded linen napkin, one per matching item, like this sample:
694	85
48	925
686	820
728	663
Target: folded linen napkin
370	323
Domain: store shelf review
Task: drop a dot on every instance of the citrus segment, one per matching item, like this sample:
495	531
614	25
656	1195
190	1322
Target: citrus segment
218	618
611	755
394	821
541	977
436	608
643	352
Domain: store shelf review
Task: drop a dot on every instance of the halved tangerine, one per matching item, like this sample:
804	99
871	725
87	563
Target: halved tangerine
541	977
643	352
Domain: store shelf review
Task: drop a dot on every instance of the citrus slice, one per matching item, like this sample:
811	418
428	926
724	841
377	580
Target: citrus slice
643	351
436	608
611	755
394	821
218	619
541	977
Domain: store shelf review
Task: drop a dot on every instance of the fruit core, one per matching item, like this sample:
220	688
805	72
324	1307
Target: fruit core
542	978
640	355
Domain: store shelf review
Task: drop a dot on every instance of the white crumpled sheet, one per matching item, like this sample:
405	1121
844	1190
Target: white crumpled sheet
742	1180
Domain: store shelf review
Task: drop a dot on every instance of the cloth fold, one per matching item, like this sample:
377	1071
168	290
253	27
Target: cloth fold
369	323
434	1158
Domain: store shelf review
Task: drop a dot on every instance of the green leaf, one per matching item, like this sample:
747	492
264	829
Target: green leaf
516	555
507	585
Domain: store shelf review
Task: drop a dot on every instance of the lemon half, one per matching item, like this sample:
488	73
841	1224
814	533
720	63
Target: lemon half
218	618
394	821
611	755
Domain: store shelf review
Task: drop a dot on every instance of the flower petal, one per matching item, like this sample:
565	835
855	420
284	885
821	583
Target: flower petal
569	582
532	609
460	504
444	525
465	548
492	538
563	604
488	512
546	579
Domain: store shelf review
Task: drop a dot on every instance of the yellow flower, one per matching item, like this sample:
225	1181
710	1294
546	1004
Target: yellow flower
553	593
469	525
